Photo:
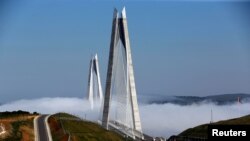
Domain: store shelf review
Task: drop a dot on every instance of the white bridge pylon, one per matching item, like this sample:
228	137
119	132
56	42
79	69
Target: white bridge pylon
94	83
120	109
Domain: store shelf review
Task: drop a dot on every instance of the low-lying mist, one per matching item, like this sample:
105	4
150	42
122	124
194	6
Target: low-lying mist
168	119
157	119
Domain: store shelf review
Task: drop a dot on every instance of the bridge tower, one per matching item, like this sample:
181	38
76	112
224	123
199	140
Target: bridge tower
94	83
120	109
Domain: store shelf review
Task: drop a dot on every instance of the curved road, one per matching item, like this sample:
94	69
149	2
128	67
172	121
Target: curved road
42	132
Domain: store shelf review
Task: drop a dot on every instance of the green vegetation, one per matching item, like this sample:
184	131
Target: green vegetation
64	125
8	114
17	133
201	130
18	126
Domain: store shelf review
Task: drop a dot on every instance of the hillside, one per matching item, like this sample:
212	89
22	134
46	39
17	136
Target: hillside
222	99
201	130
18	126
63	125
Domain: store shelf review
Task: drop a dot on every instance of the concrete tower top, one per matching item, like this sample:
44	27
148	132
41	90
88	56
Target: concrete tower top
124	12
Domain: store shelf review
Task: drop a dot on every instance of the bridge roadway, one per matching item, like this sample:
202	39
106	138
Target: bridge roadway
42	133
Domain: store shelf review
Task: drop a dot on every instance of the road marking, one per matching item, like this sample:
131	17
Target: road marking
36	128
48	129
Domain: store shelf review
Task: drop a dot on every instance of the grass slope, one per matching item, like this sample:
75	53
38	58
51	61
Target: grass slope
201	130
62	125
18	126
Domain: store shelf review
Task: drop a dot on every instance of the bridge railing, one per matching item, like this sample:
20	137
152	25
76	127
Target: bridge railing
125	130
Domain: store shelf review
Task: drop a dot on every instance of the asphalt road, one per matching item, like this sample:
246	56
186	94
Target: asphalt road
41	128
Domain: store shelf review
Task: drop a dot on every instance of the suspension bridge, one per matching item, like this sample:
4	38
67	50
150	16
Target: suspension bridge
120	109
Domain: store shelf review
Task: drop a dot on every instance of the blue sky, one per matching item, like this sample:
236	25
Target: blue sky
178	48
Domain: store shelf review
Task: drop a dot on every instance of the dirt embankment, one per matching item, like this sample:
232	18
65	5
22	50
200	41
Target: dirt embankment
57	130
19	128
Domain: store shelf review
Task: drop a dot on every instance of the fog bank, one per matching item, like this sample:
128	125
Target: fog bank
157	119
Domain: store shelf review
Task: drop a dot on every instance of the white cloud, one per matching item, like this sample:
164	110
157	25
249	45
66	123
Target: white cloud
168	119
72	105
157	120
